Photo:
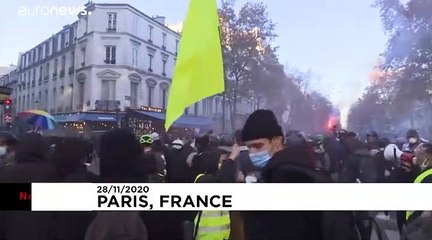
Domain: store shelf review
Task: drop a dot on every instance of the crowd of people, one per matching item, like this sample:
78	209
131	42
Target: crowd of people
261	153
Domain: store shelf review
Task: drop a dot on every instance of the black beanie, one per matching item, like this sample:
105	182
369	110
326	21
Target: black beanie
261	124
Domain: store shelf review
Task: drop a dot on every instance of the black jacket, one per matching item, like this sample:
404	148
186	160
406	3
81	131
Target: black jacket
283	224
178	170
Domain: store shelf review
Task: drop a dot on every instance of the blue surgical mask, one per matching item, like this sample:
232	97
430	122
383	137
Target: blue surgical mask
260	159
3	150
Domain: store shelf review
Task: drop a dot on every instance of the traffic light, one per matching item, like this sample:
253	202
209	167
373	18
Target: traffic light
7	105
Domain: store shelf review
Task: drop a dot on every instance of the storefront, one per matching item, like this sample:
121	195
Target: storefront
148	119
90	121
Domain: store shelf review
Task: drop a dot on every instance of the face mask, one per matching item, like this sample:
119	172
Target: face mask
412	140
260	159
2	150
319	150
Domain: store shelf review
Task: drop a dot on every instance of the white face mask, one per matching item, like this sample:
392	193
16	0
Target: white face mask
3	150
412	140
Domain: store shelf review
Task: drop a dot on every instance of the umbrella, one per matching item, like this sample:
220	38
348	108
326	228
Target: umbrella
38	119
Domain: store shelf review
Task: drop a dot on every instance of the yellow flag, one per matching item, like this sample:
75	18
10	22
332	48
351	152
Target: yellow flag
199	69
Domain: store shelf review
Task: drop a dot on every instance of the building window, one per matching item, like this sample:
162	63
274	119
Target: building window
204	107
164	62
80	95
71	96
176	47
55	67
112	21
83	54
73	59
108	90
164	98
110	54
150	33
164	36
23	103
209	106
47	72
54	45
217	105
63	62
36	50
67	37
34	75
196	108
186	111
75	32
44	55
48	48
61	96
40	52
150	63
134	94
34	56
150	96
62	40
135	57
40	74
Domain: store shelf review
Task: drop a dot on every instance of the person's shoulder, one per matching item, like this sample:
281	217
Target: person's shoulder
427	179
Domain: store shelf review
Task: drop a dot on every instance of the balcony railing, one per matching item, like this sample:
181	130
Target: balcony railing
107	105
79	106
109	61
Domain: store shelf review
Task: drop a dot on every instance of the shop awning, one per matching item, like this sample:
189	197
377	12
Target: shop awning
184	121
81	117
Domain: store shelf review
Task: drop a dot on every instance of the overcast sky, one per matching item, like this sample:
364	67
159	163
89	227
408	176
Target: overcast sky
339	40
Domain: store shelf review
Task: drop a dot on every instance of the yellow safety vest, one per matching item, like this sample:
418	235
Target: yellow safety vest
419	179
212	225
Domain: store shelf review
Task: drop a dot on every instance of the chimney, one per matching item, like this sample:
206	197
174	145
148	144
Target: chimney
160	19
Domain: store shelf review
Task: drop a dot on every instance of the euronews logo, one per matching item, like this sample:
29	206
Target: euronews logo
53	11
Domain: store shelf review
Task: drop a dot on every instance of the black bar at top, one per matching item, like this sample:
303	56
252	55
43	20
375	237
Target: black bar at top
15	196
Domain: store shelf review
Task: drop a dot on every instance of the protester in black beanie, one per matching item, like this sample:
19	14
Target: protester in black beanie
275	164
261	124
263	135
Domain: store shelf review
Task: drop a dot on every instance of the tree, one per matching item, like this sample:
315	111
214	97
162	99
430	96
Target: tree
406	91
246	38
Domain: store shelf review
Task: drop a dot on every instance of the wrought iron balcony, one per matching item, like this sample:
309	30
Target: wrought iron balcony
107	105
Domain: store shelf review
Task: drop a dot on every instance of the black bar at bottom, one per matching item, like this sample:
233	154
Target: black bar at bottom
15	196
